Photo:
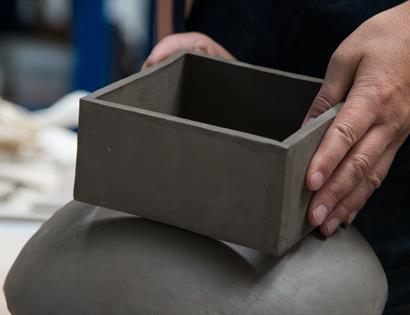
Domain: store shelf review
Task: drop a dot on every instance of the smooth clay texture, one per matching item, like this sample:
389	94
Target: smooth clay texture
89	260
207	145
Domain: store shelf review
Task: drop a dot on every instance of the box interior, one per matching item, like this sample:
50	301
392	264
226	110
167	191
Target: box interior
218	93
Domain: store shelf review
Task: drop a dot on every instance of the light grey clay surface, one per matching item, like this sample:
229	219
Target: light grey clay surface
206	145
89	260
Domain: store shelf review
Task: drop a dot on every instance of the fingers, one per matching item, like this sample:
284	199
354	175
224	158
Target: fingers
347	209
338	80
190	41
167	47
356	165
348	206
355	153
350	124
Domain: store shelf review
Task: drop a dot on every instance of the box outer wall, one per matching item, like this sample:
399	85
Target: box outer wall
296	197
260	226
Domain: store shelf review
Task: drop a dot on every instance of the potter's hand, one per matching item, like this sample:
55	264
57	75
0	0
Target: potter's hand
190	41
370	71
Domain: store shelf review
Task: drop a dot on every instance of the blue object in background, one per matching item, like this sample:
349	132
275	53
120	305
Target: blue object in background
93	41
93	45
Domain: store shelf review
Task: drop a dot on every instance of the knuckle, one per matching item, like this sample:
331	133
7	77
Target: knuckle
328	161
169	42
321	104
203	43
343	211
396	125
399	120
200	46
339	57
332	195
360	164
374	181
386	93
347	133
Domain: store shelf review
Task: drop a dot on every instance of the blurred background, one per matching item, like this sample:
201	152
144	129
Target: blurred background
53	52
51	47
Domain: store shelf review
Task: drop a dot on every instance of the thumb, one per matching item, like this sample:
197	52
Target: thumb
336	85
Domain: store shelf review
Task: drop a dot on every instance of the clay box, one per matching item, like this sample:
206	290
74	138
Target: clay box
207	145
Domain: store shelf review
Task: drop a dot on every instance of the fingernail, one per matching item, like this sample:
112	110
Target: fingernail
150	59
317	180
332	225
319	214
352	216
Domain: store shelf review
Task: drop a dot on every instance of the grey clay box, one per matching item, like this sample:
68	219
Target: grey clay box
207	145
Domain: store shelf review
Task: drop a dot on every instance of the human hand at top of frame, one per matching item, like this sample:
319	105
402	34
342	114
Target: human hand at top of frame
190	41
370	70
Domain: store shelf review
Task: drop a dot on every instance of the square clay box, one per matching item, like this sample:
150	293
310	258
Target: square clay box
207	145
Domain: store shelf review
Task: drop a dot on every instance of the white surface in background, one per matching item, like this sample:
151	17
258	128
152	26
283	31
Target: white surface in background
13	236
37	158
63	113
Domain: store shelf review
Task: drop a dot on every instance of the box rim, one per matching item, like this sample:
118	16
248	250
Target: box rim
312	125
189	122
286	143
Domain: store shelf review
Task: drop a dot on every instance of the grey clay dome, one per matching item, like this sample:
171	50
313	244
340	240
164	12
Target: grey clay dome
89	260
